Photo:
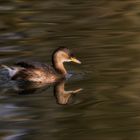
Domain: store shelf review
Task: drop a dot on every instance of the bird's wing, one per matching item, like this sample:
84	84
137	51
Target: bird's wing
29	64
35	65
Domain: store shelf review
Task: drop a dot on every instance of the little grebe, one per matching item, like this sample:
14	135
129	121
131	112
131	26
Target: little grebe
38	72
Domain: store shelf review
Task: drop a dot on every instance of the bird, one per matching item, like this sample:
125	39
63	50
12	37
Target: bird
42	72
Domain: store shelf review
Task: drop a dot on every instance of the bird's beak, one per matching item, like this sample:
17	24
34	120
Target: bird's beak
73	59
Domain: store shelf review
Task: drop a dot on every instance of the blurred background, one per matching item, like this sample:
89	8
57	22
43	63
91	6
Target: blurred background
105	36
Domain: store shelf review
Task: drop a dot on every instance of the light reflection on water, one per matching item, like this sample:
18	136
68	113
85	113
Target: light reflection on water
105	36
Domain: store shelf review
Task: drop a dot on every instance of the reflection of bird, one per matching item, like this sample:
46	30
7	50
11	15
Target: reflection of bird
38	72
62	96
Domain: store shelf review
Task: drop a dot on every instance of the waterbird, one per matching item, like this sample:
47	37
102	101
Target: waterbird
42	72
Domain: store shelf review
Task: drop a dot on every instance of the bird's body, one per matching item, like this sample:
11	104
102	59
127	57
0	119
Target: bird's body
40	72
36	72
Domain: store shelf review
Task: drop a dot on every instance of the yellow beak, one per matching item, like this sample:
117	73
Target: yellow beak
73	59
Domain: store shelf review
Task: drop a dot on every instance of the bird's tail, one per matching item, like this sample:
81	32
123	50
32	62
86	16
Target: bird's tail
3	66
11	70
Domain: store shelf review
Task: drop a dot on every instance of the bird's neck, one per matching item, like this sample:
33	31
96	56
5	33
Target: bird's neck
59	66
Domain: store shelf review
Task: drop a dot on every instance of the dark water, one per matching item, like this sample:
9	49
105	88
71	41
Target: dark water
105	35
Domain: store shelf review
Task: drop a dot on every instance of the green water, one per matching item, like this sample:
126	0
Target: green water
105	36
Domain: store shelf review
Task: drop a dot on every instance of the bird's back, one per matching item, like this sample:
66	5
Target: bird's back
34	71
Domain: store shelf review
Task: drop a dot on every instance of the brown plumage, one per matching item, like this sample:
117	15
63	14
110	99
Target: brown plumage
36	72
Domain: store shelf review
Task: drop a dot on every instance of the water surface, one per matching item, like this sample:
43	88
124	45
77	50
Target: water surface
105	36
